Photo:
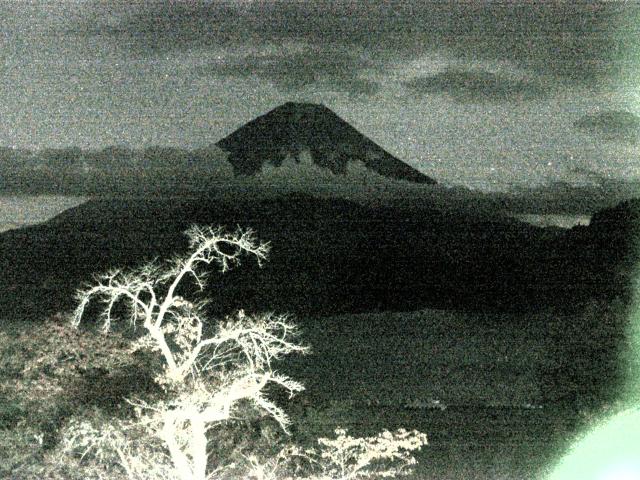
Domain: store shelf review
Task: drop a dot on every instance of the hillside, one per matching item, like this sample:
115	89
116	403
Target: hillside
329	256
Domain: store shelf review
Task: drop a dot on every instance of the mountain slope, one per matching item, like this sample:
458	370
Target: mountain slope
288	130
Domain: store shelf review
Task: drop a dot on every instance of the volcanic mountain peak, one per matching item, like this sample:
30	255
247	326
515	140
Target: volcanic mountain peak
303	107
293	128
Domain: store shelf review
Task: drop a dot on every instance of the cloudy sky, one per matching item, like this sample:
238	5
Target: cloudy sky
486	94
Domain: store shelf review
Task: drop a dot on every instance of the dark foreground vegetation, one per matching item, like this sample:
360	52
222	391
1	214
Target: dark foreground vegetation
509	407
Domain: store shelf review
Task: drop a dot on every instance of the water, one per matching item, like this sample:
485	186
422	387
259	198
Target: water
18	211
553	220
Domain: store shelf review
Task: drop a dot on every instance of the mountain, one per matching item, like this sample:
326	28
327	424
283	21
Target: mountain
295	128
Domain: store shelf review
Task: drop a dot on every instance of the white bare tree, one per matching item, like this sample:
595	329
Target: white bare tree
206	377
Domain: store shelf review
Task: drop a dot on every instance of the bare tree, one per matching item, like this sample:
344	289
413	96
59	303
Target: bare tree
206	376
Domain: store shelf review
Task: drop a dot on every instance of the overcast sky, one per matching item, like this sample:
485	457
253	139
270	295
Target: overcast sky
485	94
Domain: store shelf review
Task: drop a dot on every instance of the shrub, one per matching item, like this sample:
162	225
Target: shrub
48	371
380	456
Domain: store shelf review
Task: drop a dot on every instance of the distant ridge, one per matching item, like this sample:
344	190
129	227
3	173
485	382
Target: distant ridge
292	128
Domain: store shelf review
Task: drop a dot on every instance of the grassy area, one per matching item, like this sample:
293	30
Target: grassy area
478	385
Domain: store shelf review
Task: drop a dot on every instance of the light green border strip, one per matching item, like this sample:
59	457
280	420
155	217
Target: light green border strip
610	448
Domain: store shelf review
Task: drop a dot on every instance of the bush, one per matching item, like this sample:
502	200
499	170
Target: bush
49	371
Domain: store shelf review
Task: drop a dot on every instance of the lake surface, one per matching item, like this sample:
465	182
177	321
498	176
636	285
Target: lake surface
553	220
18	211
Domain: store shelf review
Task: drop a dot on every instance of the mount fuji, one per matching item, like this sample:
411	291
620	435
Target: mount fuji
293	130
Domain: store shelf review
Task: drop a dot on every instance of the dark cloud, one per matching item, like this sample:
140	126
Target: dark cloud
613	125
161	26
588	176
357	86
292	71
476	86
587	42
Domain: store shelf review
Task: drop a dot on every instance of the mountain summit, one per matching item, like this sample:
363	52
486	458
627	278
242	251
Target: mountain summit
293	128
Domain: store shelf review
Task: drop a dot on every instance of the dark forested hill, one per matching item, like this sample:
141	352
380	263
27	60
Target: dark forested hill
327	256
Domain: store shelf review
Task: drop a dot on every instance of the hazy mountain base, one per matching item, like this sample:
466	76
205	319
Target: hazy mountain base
161	171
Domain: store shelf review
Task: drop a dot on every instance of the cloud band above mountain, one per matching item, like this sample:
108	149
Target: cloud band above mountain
614	125
334	66
584	42
476	86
